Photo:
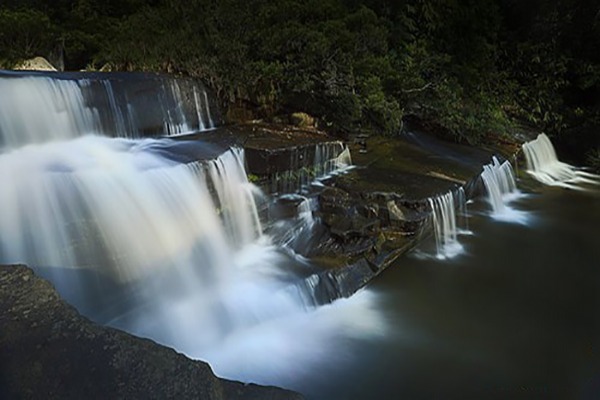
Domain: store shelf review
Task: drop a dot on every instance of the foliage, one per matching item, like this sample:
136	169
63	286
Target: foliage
469	66
24	34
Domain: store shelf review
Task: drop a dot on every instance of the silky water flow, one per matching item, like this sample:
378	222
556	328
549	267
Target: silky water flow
167	250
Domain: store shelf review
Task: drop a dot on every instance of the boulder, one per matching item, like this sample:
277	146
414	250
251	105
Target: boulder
302	120
48	350
35	64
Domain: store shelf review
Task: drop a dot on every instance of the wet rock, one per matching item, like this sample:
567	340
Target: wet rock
335	200
285	207
345	227
49	351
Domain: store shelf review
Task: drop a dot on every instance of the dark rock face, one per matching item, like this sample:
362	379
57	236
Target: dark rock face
49	351
362	222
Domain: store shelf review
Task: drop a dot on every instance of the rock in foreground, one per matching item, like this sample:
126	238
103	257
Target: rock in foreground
48	350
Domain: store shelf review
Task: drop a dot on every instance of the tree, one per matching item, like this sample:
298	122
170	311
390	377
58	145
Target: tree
24	34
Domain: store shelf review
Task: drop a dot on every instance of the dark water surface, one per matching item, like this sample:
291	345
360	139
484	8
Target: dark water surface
516	316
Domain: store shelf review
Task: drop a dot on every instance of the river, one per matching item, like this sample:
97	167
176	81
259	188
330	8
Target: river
517	315
175	251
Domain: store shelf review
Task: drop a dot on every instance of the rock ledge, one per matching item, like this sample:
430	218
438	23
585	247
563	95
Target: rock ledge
48	350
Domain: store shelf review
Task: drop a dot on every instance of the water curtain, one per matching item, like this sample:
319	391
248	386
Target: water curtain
444	214
39	109
499	181
544	166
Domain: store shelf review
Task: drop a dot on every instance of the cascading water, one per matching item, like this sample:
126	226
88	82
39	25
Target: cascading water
544	166
309	164
294	231
111	203
58	106
499	182
330	158
170	251
443	209
205	118
69	108
463	215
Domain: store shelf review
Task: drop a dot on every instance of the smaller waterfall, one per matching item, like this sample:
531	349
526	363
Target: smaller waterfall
293	222
305	212
445	223
309	164
120	127
499	181
331	158
544	166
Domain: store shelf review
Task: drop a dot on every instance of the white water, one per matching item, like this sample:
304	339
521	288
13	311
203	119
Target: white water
329	159
295	232
544	166
450	215
445	223
499	181
38	109
35	110
289	349
95	201
462	217
187	242
169	251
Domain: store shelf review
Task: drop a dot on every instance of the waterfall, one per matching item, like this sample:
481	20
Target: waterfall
499	181
330	158
309	164
38	109
293	222
443	209
176	250
41	108
111	203
170	250
544	166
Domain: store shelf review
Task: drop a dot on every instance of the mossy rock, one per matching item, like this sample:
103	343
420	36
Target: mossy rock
302	120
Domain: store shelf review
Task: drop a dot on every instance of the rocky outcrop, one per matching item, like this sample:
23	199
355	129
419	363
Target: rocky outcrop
368	217
358	236
49	351
35	64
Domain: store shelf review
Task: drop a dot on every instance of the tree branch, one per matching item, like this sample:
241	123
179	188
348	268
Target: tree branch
424	87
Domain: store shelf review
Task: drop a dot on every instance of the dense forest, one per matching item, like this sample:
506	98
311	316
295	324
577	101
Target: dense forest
471	69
